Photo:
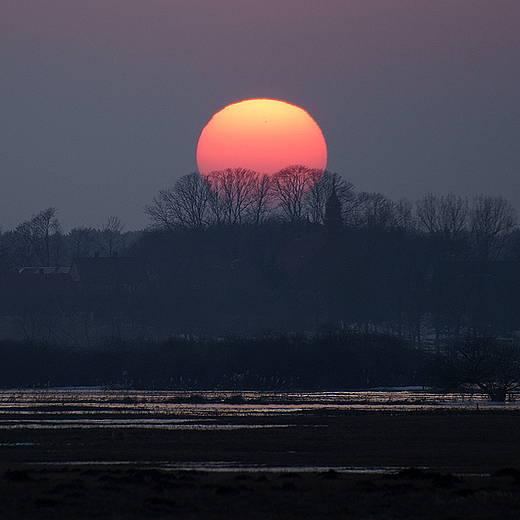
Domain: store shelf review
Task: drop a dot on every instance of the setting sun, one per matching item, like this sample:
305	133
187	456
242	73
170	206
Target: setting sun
263	135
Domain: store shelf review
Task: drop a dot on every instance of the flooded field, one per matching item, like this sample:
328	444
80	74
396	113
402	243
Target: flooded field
83	453
99	408
257	431
212	410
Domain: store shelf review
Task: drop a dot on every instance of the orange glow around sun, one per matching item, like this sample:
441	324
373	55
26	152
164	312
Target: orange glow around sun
263	135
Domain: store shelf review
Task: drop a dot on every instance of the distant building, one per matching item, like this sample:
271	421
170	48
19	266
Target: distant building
44	270
316	265
127	273
333	220
37	290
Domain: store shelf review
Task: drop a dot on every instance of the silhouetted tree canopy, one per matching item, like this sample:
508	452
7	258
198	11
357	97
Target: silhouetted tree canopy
239	252
328	361
481	362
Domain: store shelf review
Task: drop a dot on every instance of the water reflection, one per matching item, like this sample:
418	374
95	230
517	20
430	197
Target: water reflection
235	467
100	408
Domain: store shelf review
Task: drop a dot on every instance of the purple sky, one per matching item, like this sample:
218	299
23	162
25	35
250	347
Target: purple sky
102	101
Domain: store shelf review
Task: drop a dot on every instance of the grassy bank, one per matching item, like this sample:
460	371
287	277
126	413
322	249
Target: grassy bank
281	362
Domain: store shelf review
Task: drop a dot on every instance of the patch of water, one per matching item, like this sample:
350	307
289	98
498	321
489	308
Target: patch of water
210	410
241	467
141	424
229	467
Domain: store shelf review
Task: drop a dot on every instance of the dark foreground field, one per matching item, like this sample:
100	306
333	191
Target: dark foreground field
466	460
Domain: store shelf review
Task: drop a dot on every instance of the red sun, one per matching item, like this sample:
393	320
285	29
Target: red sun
263	135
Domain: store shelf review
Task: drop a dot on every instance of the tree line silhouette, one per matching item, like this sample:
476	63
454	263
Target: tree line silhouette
281	362
291	281
427	271
239	252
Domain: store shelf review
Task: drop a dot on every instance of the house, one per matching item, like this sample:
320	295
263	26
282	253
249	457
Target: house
125	273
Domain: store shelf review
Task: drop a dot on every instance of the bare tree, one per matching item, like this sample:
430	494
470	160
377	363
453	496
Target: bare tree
37	241
291	186
47	231
81	242
444	216
445	219
405	218
492	221
481	362
234	191
185	206
111	237
262	199
375	210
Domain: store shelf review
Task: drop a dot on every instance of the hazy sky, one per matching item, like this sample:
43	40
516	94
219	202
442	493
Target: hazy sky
102	101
